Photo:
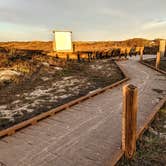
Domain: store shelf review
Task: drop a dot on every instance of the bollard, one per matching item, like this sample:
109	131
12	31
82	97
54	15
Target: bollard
162	47
129	120
67	57
141	53
74	47
78	57
158	60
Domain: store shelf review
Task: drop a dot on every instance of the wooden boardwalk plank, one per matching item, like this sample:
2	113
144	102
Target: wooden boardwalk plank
88	133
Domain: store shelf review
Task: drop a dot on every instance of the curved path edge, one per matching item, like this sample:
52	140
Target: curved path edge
152	67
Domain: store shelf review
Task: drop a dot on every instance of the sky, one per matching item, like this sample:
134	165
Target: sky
89	20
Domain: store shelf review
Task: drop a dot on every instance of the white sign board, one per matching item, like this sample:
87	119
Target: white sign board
63	41
162	47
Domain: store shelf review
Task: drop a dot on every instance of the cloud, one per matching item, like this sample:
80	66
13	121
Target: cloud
23	32
154	24
113	12
152	29
89	20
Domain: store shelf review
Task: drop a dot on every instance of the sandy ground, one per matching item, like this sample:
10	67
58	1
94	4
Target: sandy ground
52	86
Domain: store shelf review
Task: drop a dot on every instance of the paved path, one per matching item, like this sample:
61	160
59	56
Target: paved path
87	134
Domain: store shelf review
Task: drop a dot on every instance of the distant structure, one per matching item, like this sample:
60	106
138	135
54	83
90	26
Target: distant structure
162	47
62	41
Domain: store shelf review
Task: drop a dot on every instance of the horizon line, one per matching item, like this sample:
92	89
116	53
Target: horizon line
84	40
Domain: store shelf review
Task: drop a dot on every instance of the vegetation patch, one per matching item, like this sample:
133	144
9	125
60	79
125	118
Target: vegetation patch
152	62
47	82
151	147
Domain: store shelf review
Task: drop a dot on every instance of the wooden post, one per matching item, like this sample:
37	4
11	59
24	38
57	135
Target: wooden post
67	57
78	57
129	120
141	53
158	60
88	57
162	47
74	48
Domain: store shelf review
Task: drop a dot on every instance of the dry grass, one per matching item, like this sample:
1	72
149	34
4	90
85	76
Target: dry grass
81	46
151	148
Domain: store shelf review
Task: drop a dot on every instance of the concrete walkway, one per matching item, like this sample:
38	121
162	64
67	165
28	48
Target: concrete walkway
88	134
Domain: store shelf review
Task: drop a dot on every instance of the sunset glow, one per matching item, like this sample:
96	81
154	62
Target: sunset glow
22	20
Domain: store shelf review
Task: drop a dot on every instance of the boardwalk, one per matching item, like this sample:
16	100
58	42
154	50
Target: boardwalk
88	134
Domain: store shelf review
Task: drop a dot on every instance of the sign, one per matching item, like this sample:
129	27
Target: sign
63	41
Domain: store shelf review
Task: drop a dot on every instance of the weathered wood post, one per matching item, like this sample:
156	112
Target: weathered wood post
78	57
89	56
125	53
162	47
74	47
158	60
67	57
129	120
141	53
